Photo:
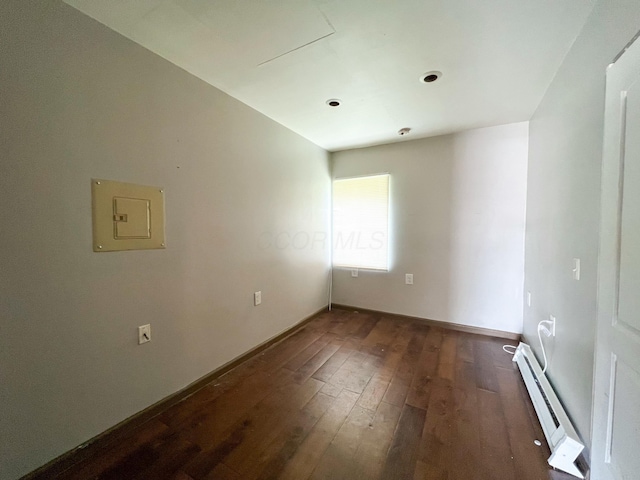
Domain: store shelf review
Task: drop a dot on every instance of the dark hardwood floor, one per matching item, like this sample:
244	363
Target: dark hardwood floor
349	396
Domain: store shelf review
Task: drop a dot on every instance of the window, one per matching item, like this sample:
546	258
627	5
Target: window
361	222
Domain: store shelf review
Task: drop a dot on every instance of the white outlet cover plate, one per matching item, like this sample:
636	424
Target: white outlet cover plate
257	298
408	278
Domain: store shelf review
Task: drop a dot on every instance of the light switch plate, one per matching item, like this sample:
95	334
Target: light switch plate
144	334
408	278
257	298
126	216
354	272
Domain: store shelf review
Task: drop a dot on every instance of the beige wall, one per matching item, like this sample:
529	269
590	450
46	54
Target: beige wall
457	216
79	101
564	200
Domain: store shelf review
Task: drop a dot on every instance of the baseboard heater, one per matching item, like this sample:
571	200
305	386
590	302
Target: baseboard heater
564	443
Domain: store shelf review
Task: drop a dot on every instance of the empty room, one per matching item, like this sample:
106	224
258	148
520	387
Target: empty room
319	239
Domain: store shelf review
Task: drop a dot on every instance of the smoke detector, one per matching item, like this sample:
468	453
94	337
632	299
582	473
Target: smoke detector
404	131
430	77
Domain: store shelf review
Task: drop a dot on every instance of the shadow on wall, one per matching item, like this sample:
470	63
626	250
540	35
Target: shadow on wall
488	208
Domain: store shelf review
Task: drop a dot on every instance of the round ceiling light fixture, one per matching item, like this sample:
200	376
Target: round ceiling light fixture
333	102
404	131
430	77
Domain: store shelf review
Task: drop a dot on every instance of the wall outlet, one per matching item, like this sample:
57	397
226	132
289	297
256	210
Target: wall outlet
552	319
408	278
257	298
144	334
354	272
528	299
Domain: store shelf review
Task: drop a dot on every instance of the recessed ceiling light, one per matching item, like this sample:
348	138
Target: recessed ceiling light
333	102
430	77
404	131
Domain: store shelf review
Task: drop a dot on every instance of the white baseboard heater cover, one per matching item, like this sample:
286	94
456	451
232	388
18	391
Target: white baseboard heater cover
564	443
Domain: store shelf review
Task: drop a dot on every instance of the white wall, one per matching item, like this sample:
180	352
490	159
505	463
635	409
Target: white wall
458	213
564	200
79	101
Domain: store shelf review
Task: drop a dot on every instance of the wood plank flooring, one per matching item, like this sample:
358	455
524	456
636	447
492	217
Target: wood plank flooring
349	396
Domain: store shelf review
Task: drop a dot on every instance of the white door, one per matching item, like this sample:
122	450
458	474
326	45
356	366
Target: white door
616	416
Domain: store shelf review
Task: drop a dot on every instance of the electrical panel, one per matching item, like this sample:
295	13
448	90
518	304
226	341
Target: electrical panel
127	216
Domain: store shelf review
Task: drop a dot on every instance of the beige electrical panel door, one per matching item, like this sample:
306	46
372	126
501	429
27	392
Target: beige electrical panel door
127	216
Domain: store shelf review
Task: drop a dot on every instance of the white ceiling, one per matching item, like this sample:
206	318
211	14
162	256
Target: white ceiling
285	58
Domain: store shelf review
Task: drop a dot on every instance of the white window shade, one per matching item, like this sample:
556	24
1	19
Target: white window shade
361	222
